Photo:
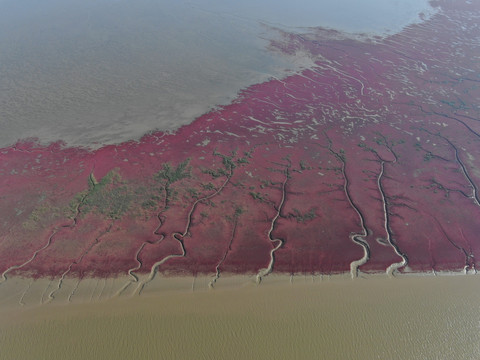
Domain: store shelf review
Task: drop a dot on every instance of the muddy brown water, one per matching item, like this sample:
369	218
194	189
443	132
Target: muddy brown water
412	317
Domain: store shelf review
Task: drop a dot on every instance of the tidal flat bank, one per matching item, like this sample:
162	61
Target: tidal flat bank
300	317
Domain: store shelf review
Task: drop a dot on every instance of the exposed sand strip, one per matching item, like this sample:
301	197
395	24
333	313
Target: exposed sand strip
49	241
456	246
20	301
133	277
155	266
357	238
333	68
179	236
229	247
94	289
470	253
102	289
395	266
264	272
72	293
474	196
34	255
51	296
45	292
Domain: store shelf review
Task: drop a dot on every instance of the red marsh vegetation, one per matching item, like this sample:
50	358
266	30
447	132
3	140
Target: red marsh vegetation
368	161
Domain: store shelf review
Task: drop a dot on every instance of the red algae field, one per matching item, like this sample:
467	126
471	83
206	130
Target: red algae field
369	161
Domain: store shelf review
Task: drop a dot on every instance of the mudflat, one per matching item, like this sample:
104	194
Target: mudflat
407	317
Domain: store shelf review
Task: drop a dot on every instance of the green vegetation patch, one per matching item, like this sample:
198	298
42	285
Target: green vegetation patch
171	175
238	210
304	165
41	214
228	161
257	196
304	217
110	196
215	173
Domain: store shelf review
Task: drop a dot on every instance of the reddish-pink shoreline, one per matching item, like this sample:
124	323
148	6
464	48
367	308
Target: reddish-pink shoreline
382	132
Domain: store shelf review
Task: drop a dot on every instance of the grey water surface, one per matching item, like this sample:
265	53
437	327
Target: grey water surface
106	71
